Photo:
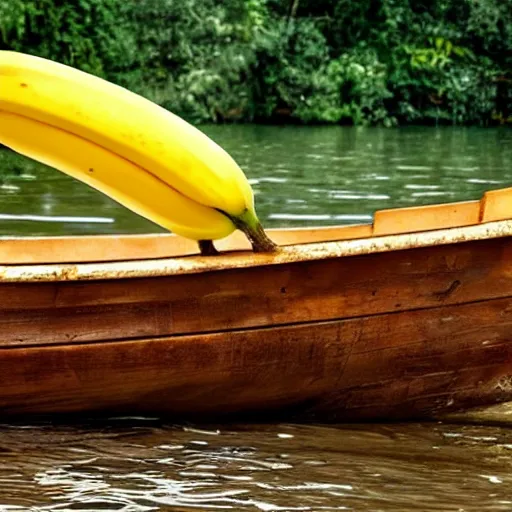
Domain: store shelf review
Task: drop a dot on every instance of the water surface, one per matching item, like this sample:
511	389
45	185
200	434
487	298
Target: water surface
301	176
136	465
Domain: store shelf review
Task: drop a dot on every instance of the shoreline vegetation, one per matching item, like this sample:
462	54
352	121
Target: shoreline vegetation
364	62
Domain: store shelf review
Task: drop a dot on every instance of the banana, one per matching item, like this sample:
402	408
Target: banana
125	127
138	190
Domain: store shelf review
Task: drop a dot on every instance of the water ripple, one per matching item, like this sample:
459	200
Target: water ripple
293	166
267	468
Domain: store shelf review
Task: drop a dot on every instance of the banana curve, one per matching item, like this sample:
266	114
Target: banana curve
137	189
126	124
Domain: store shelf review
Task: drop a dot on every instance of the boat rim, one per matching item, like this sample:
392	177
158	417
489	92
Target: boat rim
305	252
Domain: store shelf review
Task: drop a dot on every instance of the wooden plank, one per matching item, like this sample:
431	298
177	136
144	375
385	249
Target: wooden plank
76	325
430	361
237	260
497	205
396	364
306	235
86	248
418	398
27	250
256	297
426	218
321	278
181	372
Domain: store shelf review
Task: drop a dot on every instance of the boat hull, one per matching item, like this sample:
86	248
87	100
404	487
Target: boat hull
403	334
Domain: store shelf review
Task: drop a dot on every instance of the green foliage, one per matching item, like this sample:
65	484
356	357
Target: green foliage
330	61
191	57
75	33
290	64
349	89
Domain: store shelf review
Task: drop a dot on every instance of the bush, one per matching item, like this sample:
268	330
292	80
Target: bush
329	61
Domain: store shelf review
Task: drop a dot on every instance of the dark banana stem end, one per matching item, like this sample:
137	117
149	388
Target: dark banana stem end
207	248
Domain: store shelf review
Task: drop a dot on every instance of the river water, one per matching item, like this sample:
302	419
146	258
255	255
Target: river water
301	176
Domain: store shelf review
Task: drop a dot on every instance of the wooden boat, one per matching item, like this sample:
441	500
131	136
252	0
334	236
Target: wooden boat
408	317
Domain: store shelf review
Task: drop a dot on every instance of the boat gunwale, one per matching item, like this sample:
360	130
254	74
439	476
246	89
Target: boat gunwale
304	252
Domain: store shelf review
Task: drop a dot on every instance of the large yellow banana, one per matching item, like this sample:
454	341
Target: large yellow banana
140	191
136	130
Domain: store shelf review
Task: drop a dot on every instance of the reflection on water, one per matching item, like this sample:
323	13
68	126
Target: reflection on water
144	466
300	175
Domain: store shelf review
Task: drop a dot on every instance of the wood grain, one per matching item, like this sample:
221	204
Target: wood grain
496	205
426	218
255	297
101	248
386	366
403	332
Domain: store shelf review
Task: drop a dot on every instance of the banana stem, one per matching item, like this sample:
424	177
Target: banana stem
249	224
259	240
